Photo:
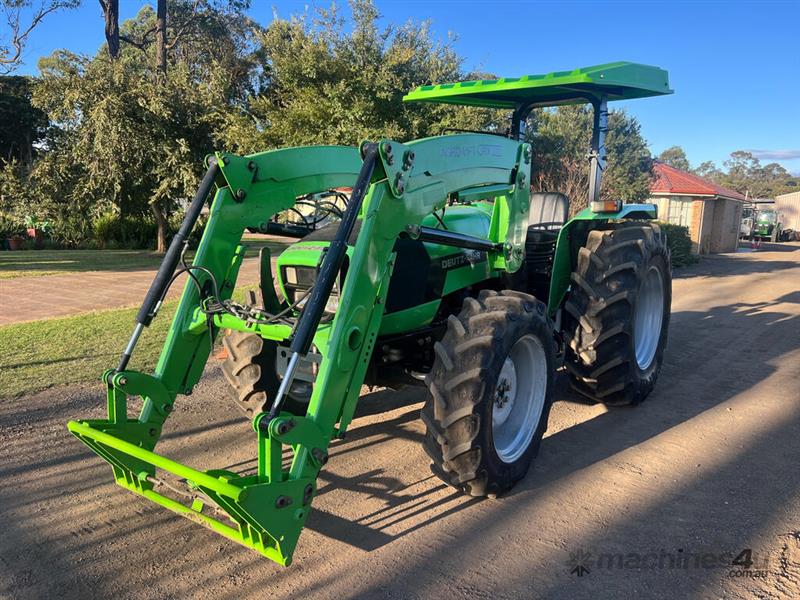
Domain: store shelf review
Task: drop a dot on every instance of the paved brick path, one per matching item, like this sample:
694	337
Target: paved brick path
33	298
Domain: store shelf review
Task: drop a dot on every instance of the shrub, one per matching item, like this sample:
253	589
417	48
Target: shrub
679	243
104	228
140	232
111	231
9	227
194	238
31	222
197	232
71	229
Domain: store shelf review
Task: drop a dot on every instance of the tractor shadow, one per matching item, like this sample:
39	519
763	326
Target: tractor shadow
404	506
409	507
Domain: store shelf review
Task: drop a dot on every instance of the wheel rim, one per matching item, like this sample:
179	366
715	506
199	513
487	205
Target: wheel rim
519	398
648	315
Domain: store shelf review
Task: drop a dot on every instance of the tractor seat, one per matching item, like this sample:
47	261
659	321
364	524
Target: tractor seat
549	211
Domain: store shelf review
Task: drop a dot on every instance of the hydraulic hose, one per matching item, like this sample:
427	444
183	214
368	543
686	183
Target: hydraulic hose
173	255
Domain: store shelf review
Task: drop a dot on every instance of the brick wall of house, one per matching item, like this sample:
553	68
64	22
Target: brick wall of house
701	226
713	222
727	218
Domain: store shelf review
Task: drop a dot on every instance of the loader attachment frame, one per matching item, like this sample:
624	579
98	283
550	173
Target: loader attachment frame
266	511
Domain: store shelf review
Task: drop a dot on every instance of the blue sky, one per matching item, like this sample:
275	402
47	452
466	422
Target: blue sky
734	66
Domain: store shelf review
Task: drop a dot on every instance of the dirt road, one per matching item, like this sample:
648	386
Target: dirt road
655	501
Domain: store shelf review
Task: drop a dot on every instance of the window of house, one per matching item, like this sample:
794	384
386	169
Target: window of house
679	212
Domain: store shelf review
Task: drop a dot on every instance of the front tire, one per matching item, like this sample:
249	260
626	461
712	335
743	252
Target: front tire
491	389
250	370
617	313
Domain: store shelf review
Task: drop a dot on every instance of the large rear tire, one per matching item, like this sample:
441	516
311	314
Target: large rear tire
250	370
617	313
491	388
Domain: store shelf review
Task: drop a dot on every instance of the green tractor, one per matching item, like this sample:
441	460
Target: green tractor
767	225
443	270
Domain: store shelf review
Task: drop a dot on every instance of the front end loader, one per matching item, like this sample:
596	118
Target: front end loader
440	269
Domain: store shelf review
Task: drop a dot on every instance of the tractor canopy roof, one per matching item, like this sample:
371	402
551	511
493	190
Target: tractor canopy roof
615	81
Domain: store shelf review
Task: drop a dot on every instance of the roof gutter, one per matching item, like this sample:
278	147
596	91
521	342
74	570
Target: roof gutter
720	196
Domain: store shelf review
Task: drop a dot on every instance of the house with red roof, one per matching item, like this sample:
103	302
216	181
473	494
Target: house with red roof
711	212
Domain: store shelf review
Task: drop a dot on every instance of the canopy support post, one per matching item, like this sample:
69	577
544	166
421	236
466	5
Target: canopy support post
518	117
597	153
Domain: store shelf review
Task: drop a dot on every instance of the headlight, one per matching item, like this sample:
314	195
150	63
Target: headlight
297	280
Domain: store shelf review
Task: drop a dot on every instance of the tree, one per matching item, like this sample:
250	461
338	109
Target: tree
128	140
747	175
743	173
175	21
22	125
110	10
20	28
197	24
560	139
674	156
708	170
330	81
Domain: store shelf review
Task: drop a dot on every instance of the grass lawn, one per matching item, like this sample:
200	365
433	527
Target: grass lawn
27	263
33	263
77	349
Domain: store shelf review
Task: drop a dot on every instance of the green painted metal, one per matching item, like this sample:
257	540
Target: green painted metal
278	178
477	186
565	254
267	511
85	430
616	81
767	220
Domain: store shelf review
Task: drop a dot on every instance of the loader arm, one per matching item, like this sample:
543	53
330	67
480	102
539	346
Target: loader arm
267	511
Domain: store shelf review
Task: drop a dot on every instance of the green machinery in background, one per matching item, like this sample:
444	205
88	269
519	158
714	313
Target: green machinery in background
441	270
767	224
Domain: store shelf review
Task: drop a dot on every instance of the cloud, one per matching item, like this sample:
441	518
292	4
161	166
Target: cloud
776	154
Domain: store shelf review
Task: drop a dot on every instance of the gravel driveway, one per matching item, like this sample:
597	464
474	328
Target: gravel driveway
655	501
